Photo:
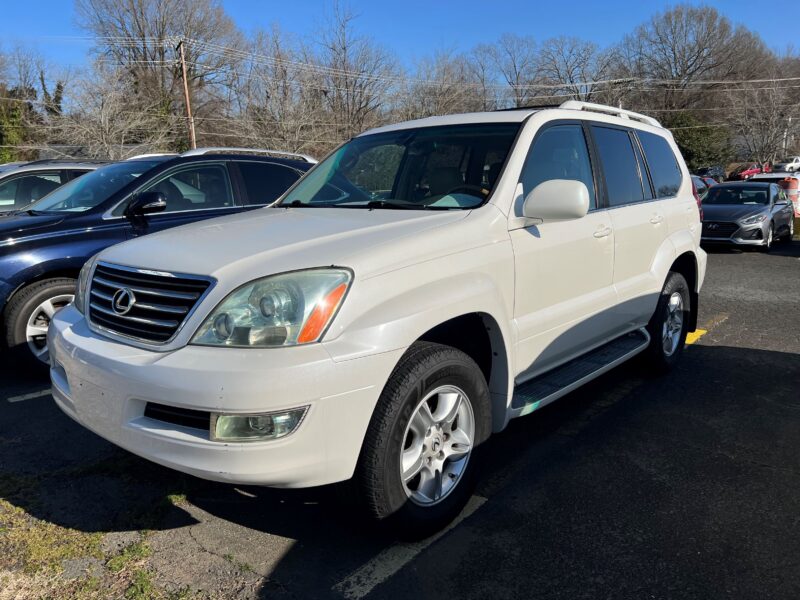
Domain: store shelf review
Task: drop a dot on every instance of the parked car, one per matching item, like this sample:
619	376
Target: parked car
747	214
23	183
744	172
396	306
709	181
716	172
788	164
43	248
700	186
788	182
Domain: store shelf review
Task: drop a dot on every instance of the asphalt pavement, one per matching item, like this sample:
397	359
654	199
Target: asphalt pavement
684	486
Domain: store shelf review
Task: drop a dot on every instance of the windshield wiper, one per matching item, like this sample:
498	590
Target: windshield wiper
392	205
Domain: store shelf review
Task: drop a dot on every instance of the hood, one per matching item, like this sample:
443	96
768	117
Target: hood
730	212
19	225
273	240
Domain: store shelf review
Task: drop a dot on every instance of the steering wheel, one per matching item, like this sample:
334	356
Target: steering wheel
469	189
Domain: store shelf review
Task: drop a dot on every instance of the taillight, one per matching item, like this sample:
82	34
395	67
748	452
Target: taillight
697	199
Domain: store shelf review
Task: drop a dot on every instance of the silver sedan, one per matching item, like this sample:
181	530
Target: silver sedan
747	214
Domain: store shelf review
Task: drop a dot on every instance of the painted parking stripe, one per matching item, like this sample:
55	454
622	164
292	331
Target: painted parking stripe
695	335
31	396
362	581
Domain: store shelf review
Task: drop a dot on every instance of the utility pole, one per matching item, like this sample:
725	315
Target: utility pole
189	117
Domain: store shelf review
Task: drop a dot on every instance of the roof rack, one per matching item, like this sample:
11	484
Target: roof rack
201	151
528	107
610	110
152	155
57	161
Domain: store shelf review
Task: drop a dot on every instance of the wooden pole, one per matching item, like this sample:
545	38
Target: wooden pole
189	117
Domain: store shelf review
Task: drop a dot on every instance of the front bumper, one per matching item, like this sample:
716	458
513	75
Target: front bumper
105	386
745	235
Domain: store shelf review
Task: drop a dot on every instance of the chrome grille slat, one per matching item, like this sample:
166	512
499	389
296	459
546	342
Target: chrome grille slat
161	302
143	321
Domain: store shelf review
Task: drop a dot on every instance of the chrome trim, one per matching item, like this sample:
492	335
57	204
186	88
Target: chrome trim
146	290
222	150
153	322
139	342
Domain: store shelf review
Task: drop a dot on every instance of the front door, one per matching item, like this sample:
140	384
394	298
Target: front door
563	291
193	192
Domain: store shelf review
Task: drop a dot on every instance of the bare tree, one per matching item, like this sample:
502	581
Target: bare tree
443	84
357	75
140	36
514	58
104	122
573	65
762	120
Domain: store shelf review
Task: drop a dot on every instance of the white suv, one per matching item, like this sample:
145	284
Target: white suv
421	286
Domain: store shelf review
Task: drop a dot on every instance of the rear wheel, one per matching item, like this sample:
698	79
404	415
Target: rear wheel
418	465
28	317
668	325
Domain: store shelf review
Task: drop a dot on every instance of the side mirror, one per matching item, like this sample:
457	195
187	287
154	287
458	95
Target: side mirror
146	203
557	200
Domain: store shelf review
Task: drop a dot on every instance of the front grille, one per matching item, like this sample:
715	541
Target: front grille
717	229
185	417
158	307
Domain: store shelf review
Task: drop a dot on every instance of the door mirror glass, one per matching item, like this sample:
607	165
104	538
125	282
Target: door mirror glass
557	200
146	203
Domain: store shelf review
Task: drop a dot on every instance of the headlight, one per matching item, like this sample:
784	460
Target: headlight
83	284
281	310
753	220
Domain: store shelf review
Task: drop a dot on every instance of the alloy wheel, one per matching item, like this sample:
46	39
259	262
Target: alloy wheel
437	445
38	323
673	324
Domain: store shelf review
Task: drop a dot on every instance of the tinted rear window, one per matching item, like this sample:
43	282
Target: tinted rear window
664	167
619	166
265	182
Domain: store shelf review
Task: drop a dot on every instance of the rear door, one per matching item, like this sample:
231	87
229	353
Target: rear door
639	221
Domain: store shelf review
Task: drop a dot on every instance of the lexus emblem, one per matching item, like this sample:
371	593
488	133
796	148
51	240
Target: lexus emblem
123	301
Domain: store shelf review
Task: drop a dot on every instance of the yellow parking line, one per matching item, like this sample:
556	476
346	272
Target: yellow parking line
692	337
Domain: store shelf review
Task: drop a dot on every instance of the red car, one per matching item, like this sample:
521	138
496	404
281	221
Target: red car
746	171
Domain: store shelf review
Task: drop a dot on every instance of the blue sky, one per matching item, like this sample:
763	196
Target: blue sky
411	28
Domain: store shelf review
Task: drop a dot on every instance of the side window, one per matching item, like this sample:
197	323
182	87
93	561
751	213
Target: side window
21	191
8	193
75	173
265	182
559	152
621	171
195	188
663	165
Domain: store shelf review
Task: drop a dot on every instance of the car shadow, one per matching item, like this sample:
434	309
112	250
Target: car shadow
720	401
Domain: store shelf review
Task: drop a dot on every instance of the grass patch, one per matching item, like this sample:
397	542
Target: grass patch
39	544
131	554
141	587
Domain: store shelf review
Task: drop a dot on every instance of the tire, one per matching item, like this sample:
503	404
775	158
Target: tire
657	355
767	246
789	231
31	307
411	510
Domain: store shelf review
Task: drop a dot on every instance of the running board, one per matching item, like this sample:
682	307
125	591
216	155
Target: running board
546	388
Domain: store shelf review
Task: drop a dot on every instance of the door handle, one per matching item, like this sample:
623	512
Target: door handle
656	219
602	232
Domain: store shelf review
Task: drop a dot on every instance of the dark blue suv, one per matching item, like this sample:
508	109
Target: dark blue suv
44	246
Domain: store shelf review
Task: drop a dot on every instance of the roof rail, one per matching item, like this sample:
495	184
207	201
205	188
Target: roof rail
152	155
610	110
201	151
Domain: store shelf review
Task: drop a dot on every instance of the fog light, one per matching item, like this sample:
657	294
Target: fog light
255	428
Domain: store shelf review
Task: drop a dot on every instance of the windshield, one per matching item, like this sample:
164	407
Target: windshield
434	168
92	189
737	195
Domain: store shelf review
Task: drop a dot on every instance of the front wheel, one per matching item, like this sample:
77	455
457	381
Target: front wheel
28	316
767	246
667	327
418	464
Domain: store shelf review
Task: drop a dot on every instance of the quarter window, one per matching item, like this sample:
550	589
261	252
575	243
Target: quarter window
559	152
664	167
620	168
265	182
